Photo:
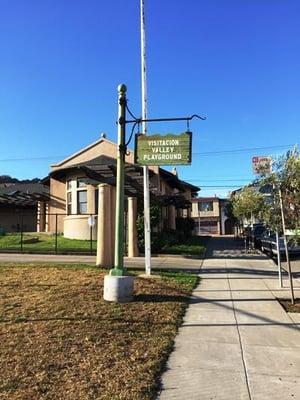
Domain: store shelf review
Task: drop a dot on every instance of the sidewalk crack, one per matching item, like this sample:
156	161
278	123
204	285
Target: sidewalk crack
239	335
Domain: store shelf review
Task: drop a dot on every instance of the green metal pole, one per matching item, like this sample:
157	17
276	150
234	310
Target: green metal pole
119	226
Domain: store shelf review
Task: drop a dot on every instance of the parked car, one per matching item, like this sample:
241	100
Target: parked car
269	245
257	233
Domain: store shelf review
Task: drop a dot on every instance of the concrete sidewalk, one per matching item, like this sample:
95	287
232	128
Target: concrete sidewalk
163	263
236	341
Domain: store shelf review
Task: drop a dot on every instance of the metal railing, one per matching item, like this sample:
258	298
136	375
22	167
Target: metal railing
49	233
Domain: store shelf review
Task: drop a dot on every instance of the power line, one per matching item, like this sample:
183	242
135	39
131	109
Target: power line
232	151
32	158
210	153
218	180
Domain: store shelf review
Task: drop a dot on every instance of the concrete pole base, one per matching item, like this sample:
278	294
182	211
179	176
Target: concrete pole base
118	289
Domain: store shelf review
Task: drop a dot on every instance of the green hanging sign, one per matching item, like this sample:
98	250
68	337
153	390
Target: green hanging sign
167	149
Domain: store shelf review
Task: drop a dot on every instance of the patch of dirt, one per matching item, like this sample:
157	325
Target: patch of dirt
289	307
61	340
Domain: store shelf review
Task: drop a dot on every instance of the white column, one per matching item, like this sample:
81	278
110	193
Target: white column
104	246
132	231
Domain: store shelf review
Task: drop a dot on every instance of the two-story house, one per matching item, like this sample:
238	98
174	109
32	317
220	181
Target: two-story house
209	214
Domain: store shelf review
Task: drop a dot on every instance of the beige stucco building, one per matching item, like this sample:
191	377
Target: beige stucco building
82	196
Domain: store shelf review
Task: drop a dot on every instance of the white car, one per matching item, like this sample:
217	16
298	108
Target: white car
269	245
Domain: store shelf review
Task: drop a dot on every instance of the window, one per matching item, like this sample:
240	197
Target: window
69	203
81	202
81	182
76	196
205	206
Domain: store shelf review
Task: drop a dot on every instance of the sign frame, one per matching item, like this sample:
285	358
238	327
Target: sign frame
264	162
187	160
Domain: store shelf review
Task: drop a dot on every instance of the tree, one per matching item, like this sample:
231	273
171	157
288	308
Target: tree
284	212
284	179
247	204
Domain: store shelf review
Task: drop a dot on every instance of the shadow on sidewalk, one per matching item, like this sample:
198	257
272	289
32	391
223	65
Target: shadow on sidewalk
230	248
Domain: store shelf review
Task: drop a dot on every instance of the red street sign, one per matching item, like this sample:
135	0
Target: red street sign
262	164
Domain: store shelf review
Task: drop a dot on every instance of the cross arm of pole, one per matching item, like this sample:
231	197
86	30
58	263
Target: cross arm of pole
139	120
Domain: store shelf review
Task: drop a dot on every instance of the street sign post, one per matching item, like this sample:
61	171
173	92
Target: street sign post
262	165
167	149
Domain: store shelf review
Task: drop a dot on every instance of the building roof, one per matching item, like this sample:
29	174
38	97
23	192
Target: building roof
103	169
84	149
200	199
175	182
23	194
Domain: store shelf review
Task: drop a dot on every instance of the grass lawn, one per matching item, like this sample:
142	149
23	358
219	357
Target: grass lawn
194	246
46	243
60	340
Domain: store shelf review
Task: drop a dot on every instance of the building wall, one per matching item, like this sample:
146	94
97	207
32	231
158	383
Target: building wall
210	221
57	204
205	214
77	227
58	192
11	219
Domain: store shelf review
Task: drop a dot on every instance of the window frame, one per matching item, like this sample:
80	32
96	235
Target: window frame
80	203
201	206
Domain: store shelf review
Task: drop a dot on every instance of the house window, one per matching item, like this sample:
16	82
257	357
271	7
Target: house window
81	182
69	203
76	196
81	201
205	206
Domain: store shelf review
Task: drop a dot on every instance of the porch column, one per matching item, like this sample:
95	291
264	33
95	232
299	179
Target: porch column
104	236
189	212
172	217
90	194
47	217
41	217
219	228
113	219
179	213
132	231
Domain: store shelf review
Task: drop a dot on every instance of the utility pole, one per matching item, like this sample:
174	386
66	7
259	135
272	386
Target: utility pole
117	286
147	228
119	226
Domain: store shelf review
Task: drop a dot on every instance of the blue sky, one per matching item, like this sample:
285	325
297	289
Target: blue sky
235	61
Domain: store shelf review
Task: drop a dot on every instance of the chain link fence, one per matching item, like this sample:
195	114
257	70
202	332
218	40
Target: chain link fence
50	234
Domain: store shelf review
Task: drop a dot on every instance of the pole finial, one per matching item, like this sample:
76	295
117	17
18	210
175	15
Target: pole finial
122	88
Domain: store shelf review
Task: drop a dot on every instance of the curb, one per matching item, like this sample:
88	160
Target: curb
274	264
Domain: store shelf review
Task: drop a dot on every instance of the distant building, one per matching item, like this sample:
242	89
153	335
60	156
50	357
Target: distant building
209	214
20	207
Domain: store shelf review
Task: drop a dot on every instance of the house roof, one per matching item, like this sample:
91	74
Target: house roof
175	182
202	199
23	194
84	149
103	169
